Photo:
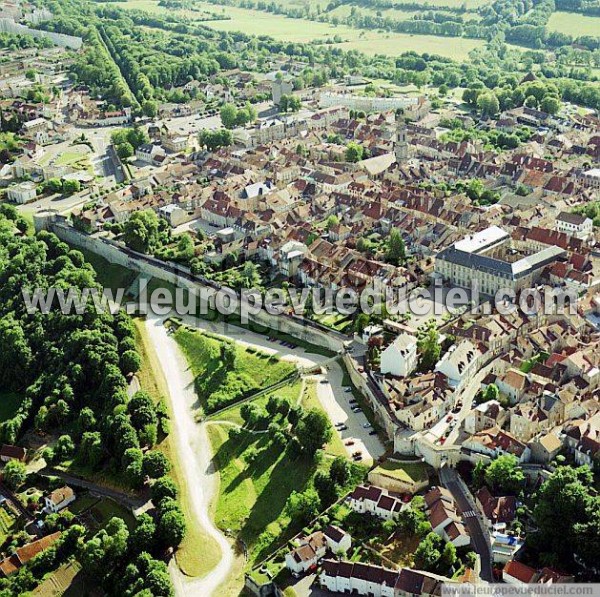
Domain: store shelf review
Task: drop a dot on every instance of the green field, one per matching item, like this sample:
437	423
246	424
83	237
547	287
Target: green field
574	24
9	402
396	43
218	384
282	28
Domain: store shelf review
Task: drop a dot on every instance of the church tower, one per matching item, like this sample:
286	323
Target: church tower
401	142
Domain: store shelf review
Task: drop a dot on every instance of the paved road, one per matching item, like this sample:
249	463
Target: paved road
464	499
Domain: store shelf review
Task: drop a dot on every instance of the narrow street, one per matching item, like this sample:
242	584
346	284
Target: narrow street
465	501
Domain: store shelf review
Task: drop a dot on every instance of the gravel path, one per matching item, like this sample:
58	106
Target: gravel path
195	459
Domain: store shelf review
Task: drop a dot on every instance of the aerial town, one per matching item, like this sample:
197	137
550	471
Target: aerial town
167	167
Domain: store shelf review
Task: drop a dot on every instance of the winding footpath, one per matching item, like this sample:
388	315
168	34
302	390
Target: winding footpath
195	458
192	443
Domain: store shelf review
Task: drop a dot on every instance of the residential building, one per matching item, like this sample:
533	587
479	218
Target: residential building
518	574
24	554
400	357
59	499
370	499
8	452
574	224
496	510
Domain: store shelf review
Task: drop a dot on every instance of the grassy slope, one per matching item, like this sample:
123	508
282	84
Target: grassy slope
252	497
192	560
217	385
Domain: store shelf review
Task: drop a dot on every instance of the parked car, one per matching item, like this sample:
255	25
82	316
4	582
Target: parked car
373	432
366	425
349	443
343	428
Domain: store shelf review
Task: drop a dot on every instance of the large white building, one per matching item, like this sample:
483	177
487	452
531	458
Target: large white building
23	192
489	260
400	357
574	224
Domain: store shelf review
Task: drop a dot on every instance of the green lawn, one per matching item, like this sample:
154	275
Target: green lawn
405	471
252	498
219	384
9	402
574	24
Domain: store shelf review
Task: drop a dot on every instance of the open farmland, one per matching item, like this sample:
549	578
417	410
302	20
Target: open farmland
282	28
574	24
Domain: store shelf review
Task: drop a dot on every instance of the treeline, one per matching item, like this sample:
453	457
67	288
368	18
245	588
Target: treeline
14	41
586	7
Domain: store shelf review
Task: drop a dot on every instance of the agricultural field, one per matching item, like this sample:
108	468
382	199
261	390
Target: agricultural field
574	24
395	43
282	28
222	381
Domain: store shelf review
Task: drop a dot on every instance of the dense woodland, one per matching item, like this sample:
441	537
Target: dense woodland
71	370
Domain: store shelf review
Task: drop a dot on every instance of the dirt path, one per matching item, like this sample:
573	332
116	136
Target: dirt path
194	453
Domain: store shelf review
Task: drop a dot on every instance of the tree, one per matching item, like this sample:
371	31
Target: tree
228	355
133	464
130	362
214	140
428	554
171	528
340	471
141	231
155	464
550	105
361	322
150	108
505	475
303	507
325	487
354	152
14	474
250	278
229	116
428	345
565	513
64	448
396	251
332	221
125	150
54	185
314	430
488	104
71	186
491	393
163	488
143	536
